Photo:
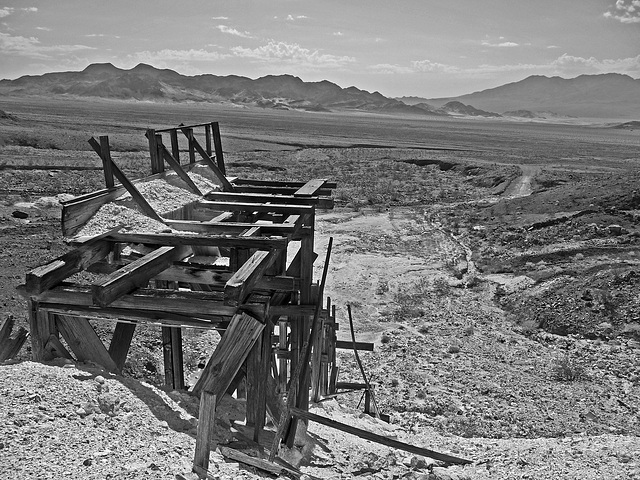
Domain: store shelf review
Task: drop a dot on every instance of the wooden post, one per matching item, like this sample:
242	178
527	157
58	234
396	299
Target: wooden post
217	145
175	146
207	139
106	161
41	326
192	145
206	424
120	343
159	153
177	358
153	150
166	353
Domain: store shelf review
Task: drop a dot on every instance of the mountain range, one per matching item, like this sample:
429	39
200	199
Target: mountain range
600	96
610	95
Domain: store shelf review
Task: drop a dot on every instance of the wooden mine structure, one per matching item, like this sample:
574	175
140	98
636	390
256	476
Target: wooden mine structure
277	333
262	305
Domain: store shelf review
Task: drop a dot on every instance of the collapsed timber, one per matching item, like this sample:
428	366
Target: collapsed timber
237	256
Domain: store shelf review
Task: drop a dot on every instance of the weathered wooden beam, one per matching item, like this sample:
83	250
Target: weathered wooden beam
258	463
137	316
135	274
46	276
133	191
229	355
204	435
242	283
229	228
10	346
226	185
207	205
382	440
349	345
279	183
320	202
192	273
41	326
106	161
196	304
312	188
216	240
217	145
120	343
84	342
274	190
175	165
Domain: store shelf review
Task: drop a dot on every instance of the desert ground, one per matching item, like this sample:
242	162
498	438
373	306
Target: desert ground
494	264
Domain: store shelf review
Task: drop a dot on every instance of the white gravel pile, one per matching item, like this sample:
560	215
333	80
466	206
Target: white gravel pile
162	196
111	215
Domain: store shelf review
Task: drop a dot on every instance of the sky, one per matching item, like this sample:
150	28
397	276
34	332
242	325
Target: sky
424	48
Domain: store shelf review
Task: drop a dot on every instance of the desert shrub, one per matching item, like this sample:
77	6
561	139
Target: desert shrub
567	369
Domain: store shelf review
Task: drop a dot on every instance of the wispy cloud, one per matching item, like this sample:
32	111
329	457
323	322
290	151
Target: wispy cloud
292	53
338	34
572	64
500	43
162	56
388	68
293	18
31	47
101	35
219	18
44	29
429	66
625	11
6	11
233	31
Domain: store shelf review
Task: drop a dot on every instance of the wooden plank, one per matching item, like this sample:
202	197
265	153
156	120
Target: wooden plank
217	145
226	185
84	342
133	191
229	355
207	205
312	188
348	345
218	240
242	283
230	228
204	435
196	304
264	198
382	440
120	343
257	189
136	274
106	161
258	463
46	276
278	183
175	165
117	315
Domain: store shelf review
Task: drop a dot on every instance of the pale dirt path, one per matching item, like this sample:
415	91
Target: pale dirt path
522	187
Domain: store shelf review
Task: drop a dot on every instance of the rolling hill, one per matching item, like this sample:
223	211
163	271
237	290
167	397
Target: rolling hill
610	95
